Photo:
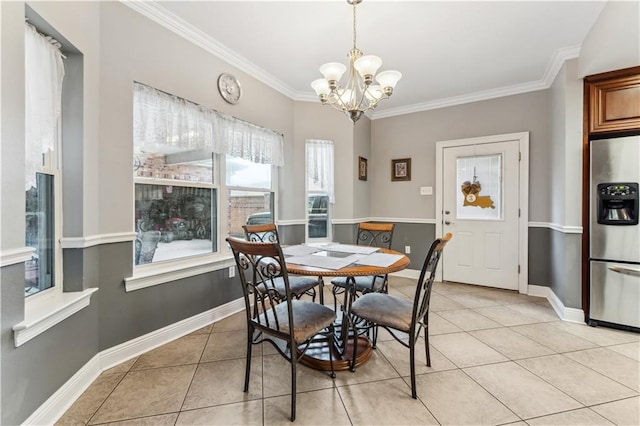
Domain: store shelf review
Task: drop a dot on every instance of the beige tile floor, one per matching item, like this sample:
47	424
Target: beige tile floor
497	358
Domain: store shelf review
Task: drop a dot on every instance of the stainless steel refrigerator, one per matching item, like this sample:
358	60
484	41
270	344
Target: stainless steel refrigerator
614	264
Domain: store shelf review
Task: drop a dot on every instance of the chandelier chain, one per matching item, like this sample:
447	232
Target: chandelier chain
354	25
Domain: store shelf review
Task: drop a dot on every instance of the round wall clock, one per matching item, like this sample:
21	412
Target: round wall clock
229	88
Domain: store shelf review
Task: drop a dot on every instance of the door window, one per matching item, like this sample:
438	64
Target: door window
479	182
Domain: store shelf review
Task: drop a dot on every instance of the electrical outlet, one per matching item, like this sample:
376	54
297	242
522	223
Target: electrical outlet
232	271
407	249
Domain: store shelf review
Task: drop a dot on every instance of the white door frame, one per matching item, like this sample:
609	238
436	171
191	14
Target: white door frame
523	199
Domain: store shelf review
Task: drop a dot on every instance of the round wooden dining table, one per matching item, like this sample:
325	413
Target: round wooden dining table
341	347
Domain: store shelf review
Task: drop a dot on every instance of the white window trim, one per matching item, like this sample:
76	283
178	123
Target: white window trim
330	204
45	312
155	274
139	269
224	198
329	237
57	288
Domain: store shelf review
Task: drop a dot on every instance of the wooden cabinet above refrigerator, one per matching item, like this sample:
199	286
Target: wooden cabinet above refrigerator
613	100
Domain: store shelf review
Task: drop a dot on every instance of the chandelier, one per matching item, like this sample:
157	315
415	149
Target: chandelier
358	93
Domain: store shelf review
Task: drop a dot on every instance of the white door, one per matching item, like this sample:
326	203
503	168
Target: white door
480	190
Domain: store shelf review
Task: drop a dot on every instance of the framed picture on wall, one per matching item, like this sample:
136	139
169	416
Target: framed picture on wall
401	169
362	168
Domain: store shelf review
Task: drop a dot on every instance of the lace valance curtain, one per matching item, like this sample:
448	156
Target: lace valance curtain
44	72
248	141
320	167
165	120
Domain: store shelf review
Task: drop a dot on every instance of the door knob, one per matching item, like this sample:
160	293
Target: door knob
446	222
447	212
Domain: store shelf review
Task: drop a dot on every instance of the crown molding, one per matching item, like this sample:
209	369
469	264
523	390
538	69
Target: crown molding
153	10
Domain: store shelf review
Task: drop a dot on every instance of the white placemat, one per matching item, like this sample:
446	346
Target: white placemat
347	248
325	262
300	250
382	260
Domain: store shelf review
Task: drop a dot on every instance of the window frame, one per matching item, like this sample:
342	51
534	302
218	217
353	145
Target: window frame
329	236
186	260
309	193
224	200
51	167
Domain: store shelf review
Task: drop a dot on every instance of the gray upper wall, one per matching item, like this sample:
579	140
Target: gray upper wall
415	136
315	121
136	49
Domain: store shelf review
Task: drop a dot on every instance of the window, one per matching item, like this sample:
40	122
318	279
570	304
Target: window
319	185
480	180
175	191
44	72
173	217
191	166
249	194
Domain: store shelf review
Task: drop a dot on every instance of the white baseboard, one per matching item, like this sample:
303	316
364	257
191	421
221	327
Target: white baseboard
407	273
565	314
58	403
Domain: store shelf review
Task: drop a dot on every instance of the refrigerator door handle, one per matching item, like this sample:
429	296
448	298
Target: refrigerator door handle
625	270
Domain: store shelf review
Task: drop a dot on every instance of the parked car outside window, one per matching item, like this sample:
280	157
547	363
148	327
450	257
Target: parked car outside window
317	212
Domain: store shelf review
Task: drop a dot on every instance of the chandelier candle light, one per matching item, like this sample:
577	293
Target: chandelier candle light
358	94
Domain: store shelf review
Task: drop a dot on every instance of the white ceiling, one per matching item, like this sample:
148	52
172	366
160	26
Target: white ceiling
449	52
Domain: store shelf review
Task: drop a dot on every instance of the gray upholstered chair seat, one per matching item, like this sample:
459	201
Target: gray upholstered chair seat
308	318
385	310
363	284
298	285
395	313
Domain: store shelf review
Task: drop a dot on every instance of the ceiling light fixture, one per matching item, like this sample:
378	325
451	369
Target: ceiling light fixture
358	94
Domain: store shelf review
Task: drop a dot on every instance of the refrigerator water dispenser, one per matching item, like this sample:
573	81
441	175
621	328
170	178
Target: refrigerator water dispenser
618	203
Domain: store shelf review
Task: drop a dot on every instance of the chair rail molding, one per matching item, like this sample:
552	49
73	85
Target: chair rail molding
96	240
290	222
381	219
566	229
17	255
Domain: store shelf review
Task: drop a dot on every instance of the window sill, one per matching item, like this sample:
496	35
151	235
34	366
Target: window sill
47	312
150	275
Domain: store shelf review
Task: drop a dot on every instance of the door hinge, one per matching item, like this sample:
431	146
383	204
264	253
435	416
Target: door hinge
518	268
519	156
518	212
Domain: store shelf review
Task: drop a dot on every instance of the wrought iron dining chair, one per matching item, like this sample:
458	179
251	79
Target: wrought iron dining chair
300	285
396	314
279	319
371	234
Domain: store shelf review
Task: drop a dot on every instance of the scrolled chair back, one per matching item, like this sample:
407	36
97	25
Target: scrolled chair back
427	277
375	234
260	266
265	233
